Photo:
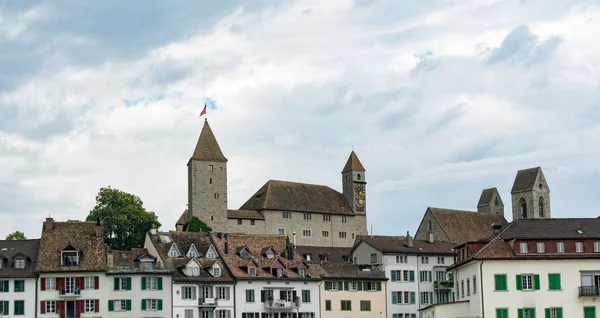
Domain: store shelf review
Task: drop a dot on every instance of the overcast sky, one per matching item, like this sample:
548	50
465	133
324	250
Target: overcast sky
439	98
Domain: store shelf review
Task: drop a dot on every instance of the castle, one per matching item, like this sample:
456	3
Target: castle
318	215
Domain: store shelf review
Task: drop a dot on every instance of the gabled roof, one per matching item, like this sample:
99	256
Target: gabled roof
335	255
396	244
525	179
183	219
175	248
466	226
207	148
245	214
12	248
349	271
353	163
128	261
192	246
81	235
487	196
293	196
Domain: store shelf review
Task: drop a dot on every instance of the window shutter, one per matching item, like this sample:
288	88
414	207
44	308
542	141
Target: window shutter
520	313
42	307
144	283
531	312
160	304
294	294
519	282
559	313
128	304
547	312
412	298
345	285
393	276
378	286
340	285
6	311
360	285
431	297
281	294
159	283
411	276
111	305
96	282
394	298
5	286
117	285
96	305
430	280
536	282
227	296
326	286
243	315
60	282
263	296
143	304
128	283
43	283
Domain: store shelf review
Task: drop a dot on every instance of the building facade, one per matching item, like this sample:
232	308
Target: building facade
320	215
17	278
416	271
202	286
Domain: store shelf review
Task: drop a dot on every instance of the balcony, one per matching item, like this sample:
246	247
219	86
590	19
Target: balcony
443	284
208	302
69	294
589	291
281	305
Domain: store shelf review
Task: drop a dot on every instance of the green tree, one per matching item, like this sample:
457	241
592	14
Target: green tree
16	235
124	218
197	225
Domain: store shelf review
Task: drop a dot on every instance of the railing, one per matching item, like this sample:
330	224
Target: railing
445	284
74	293
589	291
281	304
208	302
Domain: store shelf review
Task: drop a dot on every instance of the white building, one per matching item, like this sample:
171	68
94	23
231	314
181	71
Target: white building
273	280
416	271
17	277
202	287
71	266
532	268
137	285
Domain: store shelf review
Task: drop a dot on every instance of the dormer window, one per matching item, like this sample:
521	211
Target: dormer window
192	269
173	251
245	254
70	256
192	252
324	257
20	262
277	272
270	254
302	272
251	271
211	252
307	257
217	271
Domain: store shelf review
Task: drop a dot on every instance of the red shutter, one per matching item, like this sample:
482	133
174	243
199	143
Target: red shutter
96	305
60	283
79	282
96	282
42	307
80	306
60	306
43	283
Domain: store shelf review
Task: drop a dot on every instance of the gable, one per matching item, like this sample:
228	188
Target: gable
192	252
174	251
277	264
526	180
428	222
211	252
193	264
460	226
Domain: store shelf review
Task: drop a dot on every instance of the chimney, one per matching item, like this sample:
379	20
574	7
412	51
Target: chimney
430	237
109	259
226	244
408	241
496	227
49	224
219	235
294	235
98	228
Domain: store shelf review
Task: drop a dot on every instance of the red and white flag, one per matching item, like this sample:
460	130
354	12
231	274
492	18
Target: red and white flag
203	112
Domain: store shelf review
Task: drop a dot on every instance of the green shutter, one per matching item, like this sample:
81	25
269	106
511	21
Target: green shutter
531	312
536	282
117	285
326	288
501	313
589	312
144	283
393	276
411	275
412	298
143	304
243	315
520	313
500	282
128	304
111	305
340	285
431	297
430	280
394	297
554	281
345	285
160	305
263	296
128	283
6	286
328	305
547	312
519	282
159	283
559	313
359	286
378	286
6	311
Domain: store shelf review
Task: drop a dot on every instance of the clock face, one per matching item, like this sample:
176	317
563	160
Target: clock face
359	194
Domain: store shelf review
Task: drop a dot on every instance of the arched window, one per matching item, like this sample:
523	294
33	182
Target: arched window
541	207
523	205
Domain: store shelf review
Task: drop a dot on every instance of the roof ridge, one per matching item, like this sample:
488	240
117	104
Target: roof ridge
494	239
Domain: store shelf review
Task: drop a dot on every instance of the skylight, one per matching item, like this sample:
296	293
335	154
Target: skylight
580	232
165	239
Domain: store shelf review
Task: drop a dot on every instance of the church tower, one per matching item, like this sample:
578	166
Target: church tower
207	181
490	202
530	195
354	185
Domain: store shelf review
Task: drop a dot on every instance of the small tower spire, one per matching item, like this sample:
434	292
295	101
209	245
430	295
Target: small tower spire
207	148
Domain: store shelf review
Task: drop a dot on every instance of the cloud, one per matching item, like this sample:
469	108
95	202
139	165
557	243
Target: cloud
439	99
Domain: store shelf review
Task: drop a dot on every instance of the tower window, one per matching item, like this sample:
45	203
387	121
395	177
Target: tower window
211	168
210	180
523	205
239	221
429	225
358	176
541	207
496	203
216	195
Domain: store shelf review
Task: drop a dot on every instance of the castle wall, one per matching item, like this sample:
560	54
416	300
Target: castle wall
208	192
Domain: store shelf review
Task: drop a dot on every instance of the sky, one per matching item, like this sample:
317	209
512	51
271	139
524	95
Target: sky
440	99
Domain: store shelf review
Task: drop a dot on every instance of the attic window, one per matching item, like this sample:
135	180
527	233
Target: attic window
70	258
251	271
216	271
496	203
245	254
165	239
580	232
358	176
173	252
307	257
346	258
277	272
302	272
324	257
19	262
4	249
270	254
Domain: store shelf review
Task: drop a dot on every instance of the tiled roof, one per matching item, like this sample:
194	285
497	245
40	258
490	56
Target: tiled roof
334	254
487	195
184	218
128	261
80	235
255	244
245	214
525	179
466	226
292	196
554	229
351	271
353	164
207	148
396	244
10	249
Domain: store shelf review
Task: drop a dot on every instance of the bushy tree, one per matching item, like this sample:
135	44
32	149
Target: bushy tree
16	235
197	225
124	218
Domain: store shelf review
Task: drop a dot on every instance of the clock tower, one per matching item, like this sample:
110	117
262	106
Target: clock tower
354	185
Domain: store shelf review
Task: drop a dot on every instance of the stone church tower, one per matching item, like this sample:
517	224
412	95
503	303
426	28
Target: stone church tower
207	181
354	185
530	195
490	202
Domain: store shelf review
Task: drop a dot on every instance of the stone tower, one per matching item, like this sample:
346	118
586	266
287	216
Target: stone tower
490	202
354	185
207	181
530	195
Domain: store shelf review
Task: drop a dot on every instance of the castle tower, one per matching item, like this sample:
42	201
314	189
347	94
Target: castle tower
207	181
530	195
354	185
490	202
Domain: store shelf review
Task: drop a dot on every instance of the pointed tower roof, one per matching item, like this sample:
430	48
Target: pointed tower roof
207	148
353	164
525	179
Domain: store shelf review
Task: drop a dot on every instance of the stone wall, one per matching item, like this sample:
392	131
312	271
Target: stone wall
436	229
208	193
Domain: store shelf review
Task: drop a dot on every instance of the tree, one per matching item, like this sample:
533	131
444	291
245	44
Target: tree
16	235
197	225
124	218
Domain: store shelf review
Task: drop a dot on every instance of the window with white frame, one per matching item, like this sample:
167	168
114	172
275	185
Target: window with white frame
541	247
579	247
286	295
554	312
89	305
217	271
424	260
188	292
523	247
474	284
173	251
281	231
120	305
352	286
342	234
440	260
151	304
226	314
596	247
50	283
405	276
423	276
468	287
211	253
203	314
332	285
372	286
192	271
424	297
151	283
19	262
373	258
286	215
89	282
306	233
560	247
50	306
302	272
252	271
223	293
527	281
401	259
